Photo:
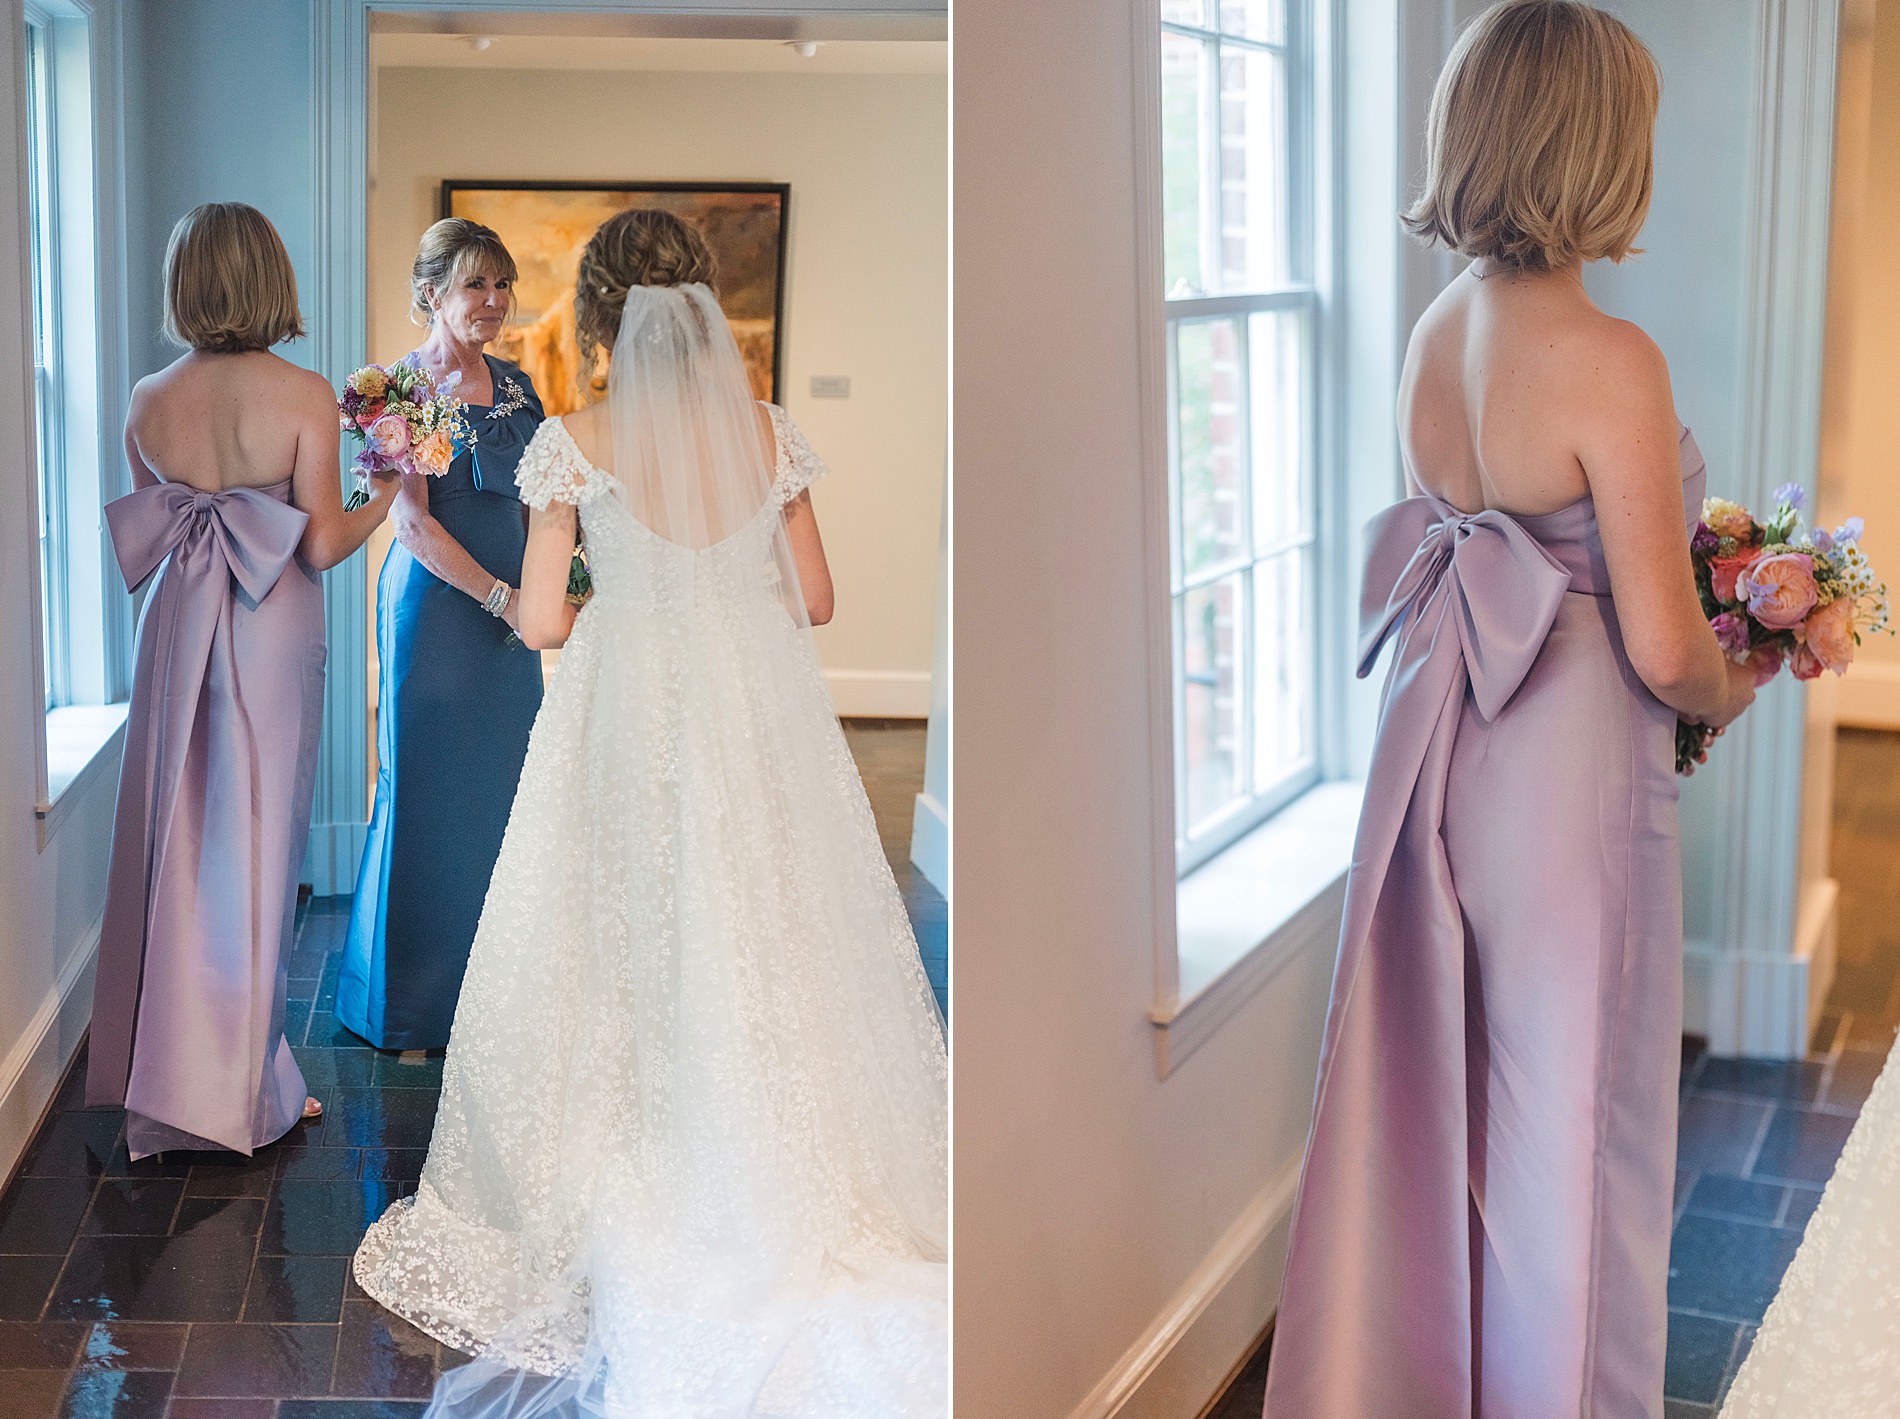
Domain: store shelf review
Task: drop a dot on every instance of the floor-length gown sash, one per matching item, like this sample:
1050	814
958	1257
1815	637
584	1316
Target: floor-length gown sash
239	541
1470	599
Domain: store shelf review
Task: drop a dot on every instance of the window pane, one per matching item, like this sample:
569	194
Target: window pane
1253	170
1283	668
1185	144
1183	12
1276	368
1255	19
1208	433
1211	649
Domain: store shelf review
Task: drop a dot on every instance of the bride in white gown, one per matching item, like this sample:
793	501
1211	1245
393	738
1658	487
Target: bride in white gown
690	1160
1829	1347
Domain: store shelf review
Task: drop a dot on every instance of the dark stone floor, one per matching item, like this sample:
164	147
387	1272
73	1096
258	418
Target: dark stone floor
212	1286
1755	1141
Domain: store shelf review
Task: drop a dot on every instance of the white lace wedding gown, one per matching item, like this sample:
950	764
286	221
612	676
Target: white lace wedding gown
691	1150
1829	1347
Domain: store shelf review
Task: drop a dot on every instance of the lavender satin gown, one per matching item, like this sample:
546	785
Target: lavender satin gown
212	820
1482	1227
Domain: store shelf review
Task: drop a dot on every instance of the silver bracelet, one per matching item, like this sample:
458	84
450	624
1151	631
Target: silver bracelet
498	596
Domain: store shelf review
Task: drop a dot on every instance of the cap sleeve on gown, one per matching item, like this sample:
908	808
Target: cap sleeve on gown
552	469
798	467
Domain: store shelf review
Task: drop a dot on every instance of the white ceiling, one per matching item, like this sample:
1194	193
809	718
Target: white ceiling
621	52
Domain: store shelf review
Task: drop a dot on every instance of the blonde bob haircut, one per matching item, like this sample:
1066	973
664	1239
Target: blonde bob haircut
451	249
229	286
1539	144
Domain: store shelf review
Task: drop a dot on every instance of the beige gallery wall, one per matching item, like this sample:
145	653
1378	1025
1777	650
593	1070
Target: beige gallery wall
866	156
1861	439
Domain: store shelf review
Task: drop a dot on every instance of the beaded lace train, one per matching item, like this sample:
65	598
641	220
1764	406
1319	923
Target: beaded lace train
1829	1347
691	1153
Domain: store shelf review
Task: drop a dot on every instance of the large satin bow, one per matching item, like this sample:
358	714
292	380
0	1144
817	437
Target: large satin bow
1505	589
257	533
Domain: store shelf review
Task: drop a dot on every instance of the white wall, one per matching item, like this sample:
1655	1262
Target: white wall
866	156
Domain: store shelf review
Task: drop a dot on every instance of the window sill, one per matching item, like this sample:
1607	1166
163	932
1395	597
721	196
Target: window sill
1244	914
82	743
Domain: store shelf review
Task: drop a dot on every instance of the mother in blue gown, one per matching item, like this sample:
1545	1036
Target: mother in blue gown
458	693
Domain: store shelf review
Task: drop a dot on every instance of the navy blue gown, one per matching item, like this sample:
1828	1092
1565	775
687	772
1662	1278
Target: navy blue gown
457	701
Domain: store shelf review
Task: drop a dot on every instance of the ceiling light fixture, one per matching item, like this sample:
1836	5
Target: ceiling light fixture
478	41
806	47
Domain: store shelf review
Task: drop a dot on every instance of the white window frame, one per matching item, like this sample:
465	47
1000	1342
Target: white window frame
1271	897
49	422
1195	845
74	219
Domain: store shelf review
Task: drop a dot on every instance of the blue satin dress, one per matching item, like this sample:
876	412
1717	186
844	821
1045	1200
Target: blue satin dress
456	703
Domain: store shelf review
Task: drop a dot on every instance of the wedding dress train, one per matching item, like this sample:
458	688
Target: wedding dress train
1829	1347
690	1159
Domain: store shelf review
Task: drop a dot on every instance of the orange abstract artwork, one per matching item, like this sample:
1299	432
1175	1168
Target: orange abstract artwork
545	228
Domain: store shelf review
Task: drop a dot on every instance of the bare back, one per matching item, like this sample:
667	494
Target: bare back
1503	379
214	422
1520	396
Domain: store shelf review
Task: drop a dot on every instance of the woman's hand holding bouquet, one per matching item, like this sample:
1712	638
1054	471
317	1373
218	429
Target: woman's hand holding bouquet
1776	594
406	422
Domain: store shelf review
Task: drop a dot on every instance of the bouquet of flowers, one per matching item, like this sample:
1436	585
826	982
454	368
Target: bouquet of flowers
1776	594
406	422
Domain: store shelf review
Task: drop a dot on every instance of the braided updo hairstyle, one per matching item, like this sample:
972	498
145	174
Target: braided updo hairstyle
639	247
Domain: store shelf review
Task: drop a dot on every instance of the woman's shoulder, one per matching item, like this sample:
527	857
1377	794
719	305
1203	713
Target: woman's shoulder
257	375
553	469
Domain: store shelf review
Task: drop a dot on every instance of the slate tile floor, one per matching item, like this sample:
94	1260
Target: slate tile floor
1757	1141
211	1286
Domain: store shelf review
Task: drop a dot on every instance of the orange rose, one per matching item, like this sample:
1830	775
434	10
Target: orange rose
435	453
1828	633
1723	572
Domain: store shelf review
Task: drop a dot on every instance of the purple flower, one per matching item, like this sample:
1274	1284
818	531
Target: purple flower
1702	542
1793	494
352	399
1731	632
1850	530
1823	543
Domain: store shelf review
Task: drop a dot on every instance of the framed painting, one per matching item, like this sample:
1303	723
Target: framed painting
547	224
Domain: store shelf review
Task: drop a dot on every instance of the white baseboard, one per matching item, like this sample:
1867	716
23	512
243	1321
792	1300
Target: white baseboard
1761	1006
1207	1325
880	694
1869	696
331	860
36	1063
930	842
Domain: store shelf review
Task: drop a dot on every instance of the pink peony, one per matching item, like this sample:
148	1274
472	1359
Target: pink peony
1765	661
1804	663
1723	572
389	435
1828	634
1780	589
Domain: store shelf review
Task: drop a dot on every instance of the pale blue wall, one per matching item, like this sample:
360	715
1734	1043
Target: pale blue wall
219	109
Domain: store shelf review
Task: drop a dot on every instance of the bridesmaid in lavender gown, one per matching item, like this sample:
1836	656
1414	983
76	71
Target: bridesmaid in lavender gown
1482	1227
238	506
